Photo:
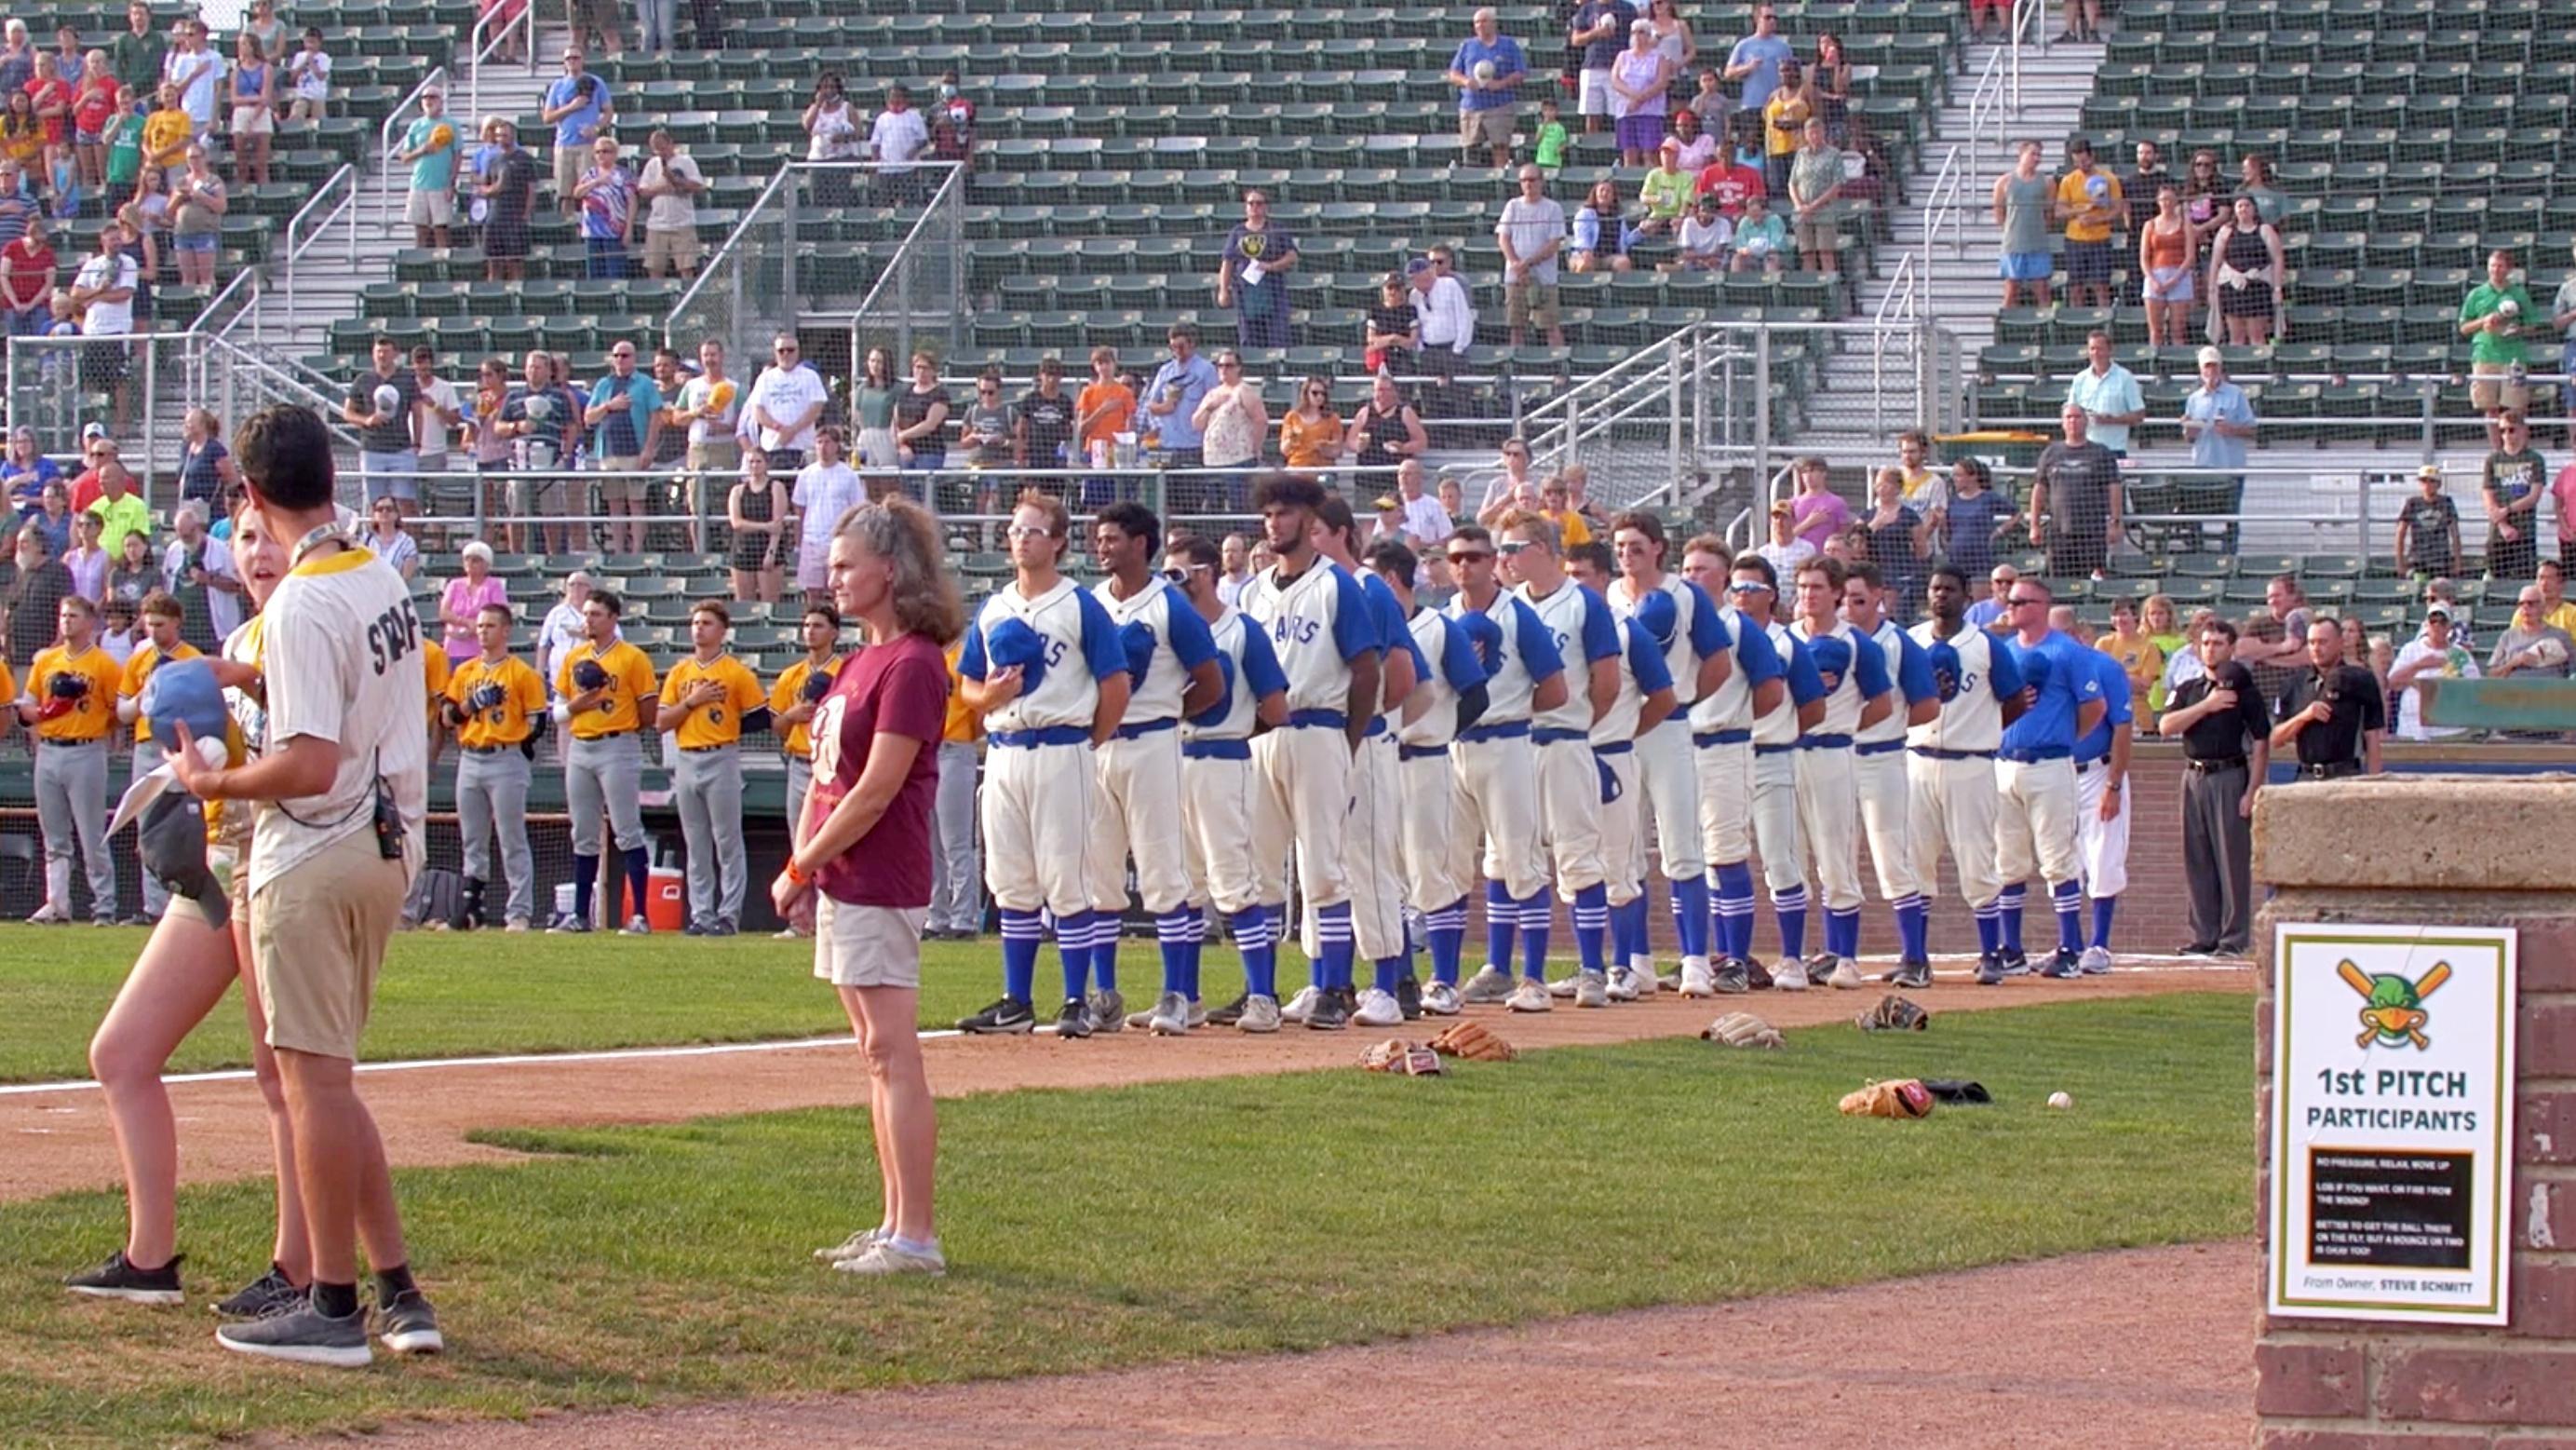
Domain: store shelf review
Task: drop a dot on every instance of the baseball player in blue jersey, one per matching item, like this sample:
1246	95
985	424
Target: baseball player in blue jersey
1950	760
1878	767
1216	798
1171	673
1776	834
1858	695
1328	645
1497	771
1643	704
2035	773
1569	782
1449	699
1698	654
2101	795
1721	723
1044	666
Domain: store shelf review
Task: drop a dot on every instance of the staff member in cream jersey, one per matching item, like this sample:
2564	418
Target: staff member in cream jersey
1950	759
498	707
340	793
708	700
1696	646
1450	698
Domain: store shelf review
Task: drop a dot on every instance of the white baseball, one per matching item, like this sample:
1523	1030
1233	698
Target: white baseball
2060	1100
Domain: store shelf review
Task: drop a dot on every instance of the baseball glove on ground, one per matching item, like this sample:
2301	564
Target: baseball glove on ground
1741	1029
1473	1041
1894	1014
1903	1098
1397	1055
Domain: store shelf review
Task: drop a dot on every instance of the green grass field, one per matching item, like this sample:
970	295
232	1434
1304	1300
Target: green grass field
1219	1217
484	993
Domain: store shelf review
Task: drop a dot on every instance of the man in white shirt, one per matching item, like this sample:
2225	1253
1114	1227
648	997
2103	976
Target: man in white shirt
198	72
1236	555
436	413
104	289
671	183
1532	232
1448	327
898	136
564	626
786	401
2438	653
1419	519
2108	393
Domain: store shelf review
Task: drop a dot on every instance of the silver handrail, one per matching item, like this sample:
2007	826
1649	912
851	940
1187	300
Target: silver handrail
724	258
480	45
1945	202
389	215
304	229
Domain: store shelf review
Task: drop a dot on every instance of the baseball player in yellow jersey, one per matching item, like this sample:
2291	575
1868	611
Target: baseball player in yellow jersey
161	616
435	671
799	690
708	700
603	697
70	703
956	871
498	706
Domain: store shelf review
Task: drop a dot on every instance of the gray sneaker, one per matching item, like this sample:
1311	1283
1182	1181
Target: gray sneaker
408	1325
1170	1017
1260	1014
303	1337
1108	1010
1590	990
886	1257
1490	984
2095	962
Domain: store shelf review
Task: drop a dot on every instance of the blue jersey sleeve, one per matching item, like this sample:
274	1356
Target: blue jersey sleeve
970	659
1708	628
1757	657
1102	649
1261	673
2114	682
1600	631
2003	670
1355	626
1421	662
1535	644
1646	661
1459	664
1805	685
1191	641
1386	613
2083	681
1870	663
1914	670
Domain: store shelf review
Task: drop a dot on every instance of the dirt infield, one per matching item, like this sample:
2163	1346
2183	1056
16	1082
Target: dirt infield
2110	1349
60	1140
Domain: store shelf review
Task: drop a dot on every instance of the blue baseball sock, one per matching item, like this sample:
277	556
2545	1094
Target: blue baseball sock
2008	914
1990	929
1842	931
1914	928
1390	970
1447	929
585	886
1690	915
1630	944
1502	919
1791	907
1251	927
1735	908
1591	912
1104	948
639	879
1333	931
1537	918
1020	937
1073	945
2068	898
2104	908
1196	950
1172	934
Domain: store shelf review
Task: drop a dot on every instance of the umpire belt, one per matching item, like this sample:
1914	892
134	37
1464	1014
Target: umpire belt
1216	750
1421	752
1043	735
2214	767
1703	739
2329	770
1934	752
1507	730
2034	757
1318	720
1558	735
1143	728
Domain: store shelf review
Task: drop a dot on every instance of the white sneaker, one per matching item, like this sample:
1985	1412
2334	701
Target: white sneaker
1789	976
1490	984
1590	990
1627	984
1170	1017
47	915
1670	981
885	1257
1260	1014
1846	976
2095	962
851	1247
1643	973
1529	996
1697	981
1564	987
1301	1006
1377	1009
636	926
1440	999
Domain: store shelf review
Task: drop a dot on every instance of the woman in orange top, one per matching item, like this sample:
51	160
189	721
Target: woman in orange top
1105	409
2165	256
1310	434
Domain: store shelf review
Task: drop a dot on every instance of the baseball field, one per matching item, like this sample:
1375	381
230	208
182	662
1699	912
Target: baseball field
629	1229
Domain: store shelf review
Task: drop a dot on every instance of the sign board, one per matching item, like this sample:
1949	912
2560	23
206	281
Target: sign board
2392	1122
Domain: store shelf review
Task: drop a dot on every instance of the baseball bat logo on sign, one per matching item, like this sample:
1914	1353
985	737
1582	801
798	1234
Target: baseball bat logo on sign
2395	1015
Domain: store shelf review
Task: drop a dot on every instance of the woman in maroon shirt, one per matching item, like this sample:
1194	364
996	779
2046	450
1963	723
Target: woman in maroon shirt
863	849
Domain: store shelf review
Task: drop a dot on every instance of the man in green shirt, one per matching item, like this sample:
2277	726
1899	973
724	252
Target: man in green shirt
135	56
2493	319
1665	193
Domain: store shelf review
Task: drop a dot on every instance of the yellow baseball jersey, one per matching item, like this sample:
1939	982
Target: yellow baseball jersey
963	725
434	673
138	671
789	693
93	713
630	679
523	698
719	723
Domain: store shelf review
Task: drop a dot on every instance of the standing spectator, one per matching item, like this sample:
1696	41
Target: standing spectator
308	74
166	134
711	407
2075	499
542	419
34	599
2226	753
2562	315
898	138
1231	423
1547	146
135	572
119	507
1830	79
1310	433
195	68
1105	409
18	54
2168	249
2144	180
2140	657
2109	395
989	427
509	192
1899	539
491	446
756	511
1728	178
1252	276
564	626
656	21
2217	420
786	401
578	107
2083	22
198	202
266	30
27	280
2437	653
436	411
1448	326
959	113
1815	183
1785	551
1699	148
51	91
2091	206
1487	71
206	472
872	410
86	561
254	117
462	600
1594	34
624	414
2514	480
832	127
379	406
391	542
431	147
921	418
93	109
1420	521
825	490
2531	645
670	185
1043	437
1638	80
1755	62
606	195
1817	512
1171	401
2491	318
2255	175
25	473
1784	125
1531	233
1386	430
2247	275
136	53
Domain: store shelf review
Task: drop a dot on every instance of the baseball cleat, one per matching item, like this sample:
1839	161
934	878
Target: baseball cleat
2062	964
1260	1015
1170	1017
1846	977
1440	999
1792	976
1011	1014
636	926
1564	987
1490	984
1073	1019
1698	981
1990	970
47	915
1301	1006
1729	980
1108	1009
1913	975
1408	996
1529	996
1230	1013
1376	1009
2095	962
1331	1012
2016	962
1624	986
568	924
1590	990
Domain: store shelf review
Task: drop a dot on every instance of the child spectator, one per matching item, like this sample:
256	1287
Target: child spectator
308	72
2428	529
1704	238
93	107
168	130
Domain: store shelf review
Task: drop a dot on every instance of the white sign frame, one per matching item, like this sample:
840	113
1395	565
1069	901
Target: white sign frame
2427	1083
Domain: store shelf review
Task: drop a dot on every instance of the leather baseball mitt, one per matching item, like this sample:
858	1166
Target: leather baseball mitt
1741	1029
1903	1098
1894	1014
1473	1041
1385	1056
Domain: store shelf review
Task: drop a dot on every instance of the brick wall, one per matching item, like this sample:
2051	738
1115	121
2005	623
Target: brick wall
2436	850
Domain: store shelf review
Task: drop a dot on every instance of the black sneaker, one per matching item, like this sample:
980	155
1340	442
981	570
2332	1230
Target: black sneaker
724	928
1074	1020
2016	962
2063	965
1229	1014
697	928
1332	1011
1990	970
1913	975
270	1293
408	1325
1730	978
118	1279
1408	996
303	1336
1011	1014
2196	951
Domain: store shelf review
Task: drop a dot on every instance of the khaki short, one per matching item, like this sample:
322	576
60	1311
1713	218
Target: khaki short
317	941
867	946
620	490
1488	129
715	455
1526	301
430	209
2490	389
570	163
675	245
1817	235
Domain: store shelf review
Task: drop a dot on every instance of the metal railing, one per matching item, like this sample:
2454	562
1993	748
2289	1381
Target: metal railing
389	182
1946	204
891	305
486	39
333	204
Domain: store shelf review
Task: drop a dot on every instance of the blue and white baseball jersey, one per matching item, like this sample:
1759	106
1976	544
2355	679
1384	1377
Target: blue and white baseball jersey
1318	622
1851	669
1757	662
1684	624
1438	637
1159	626
1972	675
1393	631
1578	622
1077	647
2117	712
2064	679
1518	655
1780	727
1642	672
1911	669
1251	675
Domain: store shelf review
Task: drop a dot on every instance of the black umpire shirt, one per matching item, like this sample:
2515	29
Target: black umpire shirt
2223	736
2352	693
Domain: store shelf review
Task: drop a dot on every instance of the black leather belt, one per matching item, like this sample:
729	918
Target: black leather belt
2213	767
2329	770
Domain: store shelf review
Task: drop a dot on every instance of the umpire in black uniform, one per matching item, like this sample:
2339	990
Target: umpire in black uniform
2332	715
2227	747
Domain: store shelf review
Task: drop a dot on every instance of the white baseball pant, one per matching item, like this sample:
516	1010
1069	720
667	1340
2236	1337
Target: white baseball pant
1955	803
2035	821
1140	788
1623	830
1775	819
1569	814
1668	779
1368	862
1495	803
2101	846
1428	790
1886	807
1040	803
1301	798
1725	800
1829	818
1216	812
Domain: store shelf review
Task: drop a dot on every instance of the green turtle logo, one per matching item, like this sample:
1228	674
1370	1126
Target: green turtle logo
2393	1014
